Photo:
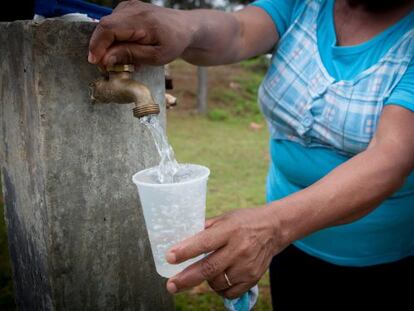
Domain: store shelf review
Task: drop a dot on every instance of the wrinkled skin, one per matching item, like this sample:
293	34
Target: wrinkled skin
244	242
139	33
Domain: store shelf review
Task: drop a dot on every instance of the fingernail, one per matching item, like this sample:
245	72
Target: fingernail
91	58
171	287
171	257
112	61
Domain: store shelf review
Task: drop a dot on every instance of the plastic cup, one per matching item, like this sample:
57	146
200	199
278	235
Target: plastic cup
172	212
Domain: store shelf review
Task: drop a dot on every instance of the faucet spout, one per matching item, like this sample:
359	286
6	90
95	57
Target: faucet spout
117	86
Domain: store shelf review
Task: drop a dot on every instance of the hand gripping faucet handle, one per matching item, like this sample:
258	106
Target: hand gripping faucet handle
121	68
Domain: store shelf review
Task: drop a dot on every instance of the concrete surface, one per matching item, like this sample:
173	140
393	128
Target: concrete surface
76	232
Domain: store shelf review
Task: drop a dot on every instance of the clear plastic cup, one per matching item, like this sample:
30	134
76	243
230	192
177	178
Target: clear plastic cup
172	212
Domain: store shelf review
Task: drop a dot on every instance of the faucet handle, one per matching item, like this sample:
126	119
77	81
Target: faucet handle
121	68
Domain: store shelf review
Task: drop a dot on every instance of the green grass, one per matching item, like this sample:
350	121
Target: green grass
6	285
218	114
198	302
241	98
238	160
236	155
223	141
213	302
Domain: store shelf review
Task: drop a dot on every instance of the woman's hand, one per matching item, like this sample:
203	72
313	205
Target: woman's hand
140	33
242	243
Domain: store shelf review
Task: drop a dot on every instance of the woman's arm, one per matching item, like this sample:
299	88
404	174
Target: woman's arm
224	38
138	32
244	241
355	188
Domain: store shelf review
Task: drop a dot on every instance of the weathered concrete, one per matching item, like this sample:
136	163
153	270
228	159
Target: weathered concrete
76	232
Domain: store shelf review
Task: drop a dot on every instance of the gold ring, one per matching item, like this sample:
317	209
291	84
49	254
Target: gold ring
227	280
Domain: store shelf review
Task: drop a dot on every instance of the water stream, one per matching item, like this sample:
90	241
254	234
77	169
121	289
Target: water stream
168	166
175	211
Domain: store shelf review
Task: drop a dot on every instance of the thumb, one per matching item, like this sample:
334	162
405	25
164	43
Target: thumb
132	53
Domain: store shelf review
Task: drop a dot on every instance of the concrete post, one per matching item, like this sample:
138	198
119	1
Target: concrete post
76	233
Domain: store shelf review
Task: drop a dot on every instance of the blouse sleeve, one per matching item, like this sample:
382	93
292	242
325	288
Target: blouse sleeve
282	12
403	94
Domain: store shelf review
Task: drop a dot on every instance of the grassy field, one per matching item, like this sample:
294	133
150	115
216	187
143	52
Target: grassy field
6	286
231	140
237	158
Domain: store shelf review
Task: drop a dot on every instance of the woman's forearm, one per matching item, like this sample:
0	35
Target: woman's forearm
223	38
346	194
249	238
141	33
216	37
356	187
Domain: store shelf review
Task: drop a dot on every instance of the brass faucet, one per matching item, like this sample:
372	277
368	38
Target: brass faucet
117	86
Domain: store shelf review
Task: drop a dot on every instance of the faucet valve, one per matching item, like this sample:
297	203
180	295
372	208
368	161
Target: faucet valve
120	68
118	87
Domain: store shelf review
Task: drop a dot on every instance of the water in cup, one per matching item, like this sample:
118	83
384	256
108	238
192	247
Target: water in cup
173	199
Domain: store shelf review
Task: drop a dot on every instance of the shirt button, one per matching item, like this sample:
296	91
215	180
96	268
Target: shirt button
321	91
300	130
307	121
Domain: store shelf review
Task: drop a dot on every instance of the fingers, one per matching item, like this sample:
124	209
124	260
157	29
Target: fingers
235	275
205	241
205	269
219	283
107	33
132	53
121	5
211	221
101	39
237	290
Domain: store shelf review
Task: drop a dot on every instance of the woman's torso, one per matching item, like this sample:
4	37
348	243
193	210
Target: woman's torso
323	103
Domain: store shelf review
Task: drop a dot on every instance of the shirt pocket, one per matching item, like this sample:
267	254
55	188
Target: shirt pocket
361	123
352	115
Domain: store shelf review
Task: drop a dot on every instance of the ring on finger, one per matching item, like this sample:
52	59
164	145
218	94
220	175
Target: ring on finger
227	280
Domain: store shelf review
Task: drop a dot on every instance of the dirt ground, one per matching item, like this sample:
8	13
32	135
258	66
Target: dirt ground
185	83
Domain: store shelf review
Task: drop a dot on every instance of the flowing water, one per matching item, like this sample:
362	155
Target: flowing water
173	211
168	166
